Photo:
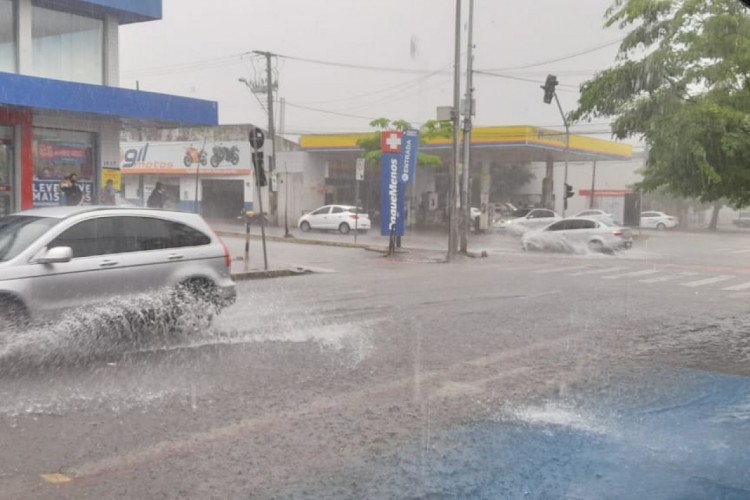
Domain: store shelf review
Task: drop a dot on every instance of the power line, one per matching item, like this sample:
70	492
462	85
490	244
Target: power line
561	58
406	84
522	79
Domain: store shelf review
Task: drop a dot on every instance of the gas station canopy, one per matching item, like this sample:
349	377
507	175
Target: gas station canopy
517	144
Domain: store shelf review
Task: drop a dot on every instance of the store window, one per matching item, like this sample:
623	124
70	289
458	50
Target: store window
67	46
57	154
7	37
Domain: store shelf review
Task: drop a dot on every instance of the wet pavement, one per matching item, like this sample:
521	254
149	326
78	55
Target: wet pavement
518	376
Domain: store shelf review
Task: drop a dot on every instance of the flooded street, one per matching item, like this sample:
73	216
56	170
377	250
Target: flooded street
489	378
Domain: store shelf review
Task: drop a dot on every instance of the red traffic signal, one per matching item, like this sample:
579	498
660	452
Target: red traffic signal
549	87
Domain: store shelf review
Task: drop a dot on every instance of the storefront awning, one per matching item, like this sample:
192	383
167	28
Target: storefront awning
60	96
126	11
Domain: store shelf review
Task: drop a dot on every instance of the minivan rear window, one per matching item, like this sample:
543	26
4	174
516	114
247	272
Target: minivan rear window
17	232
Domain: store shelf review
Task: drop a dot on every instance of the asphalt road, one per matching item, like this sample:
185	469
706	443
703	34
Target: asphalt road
360	381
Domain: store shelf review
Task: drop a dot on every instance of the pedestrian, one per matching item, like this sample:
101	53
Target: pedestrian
72	191
107	196
157	198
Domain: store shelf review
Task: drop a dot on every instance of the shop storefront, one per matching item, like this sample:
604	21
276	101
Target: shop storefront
218	183
61	110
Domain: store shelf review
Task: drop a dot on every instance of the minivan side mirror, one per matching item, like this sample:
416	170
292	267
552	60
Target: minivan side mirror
56	255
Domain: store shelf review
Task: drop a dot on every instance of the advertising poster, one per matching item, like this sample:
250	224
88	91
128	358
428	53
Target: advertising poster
47	193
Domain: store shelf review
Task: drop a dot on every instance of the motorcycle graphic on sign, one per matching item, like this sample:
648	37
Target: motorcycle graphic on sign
222	153
194	155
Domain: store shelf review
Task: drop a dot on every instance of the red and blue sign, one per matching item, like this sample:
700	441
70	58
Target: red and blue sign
398	166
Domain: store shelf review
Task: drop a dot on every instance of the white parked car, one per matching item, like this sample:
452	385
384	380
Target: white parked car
524	219
597	215
343	218
578	234
658	220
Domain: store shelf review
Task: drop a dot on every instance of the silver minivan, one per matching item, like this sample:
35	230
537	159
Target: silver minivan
57	258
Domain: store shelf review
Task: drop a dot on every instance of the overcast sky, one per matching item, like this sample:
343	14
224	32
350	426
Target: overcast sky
196	51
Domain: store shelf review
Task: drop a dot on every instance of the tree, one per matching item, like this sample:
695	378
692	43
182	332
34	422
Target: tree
682	84
507	178
430	130
372	150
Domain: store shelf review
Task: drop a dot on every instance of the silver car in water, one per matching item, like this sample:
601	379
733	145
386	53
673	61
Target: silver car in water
579	234
57	258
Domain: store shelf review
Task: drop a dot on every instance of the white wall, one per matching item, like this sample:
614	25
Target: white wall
306	183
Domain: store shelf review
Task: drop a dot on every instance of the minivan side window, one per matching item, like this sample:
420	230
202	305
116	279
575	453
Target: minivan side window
148	233
337	210
141	234
186	236
89	238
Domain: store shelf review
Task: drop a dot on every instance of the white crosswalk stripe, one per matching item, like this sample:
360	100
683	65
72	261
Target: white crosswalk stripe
738	288
668	277
634	274
744	250
605	270
560	269
708	281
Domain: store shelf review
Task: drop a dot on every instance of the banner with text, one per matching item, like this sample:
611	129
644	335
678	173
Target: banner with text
47	193
391	196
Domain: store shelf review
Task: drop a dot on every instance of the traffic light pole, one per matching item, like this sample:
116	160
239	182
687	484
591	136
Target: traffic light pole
567	155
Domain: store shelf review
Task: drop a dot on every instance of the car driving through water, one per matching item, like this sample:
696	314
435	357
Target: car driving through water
58	258
578	235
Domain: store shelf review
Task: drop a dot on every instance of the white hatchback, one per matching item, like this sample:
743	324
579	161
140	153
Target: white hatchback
343	218
658	220
525	219
597	215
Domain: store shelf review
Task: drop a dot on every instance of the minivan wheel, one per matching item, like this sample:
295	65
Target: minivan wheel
13	315
344	228
305	226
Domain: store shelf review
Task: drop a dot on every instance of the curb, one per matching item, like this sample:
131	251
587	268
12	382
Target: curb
271	273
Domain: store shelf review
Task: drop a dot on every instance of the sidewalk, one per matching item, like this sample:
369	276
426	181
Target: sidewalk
372	240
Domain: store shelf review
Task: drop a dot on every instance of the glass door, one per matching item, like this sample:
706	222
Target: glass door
7	168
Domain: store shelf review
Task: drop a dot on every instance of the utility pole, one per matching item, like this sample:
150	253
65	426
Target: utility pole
468	113
453	201
272	194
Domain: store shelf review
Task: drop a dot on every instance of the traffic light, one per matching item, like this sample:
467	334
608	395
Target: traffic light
569	191
549	88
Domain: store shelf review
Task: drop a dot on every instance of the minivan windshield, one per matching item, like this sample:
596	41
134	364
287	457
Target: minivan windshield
17	232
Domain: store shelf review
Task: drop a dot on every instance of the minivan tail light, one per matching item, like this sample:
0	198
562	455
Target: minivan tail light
227	257
617	233
352	216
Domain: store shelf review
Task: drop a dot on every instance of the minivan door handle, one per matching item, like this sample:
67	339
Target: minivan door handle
108	263
175	256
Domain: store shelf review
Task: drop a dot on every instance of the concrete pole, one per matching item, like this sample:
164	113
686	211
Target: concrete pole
454	201
468	113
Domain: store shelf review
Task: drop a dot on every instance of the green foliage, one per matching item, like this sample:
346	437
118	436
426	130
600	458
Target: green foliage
430	130
681	83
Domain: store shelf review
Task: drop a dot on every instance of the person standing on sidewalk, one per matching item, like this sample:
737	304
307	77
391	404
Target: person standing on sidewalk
157	198
72	191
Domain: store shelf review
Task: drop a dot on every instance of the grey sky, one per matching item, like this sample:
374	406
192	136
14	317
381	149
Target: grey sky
414	34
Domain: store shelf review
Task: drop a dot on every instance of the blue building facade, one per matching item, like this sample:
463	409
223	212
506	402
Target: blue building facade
61	108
